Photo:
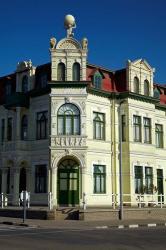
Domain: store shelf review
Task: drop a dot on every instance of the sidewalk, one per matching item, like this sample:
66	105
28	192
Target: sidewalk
74	225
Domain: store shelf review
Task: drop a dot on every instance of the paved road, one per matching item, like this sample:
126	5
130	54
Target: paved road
12	237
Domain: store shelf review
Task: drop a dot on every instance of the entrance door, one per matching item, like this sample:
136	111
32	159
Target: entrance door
22	185
160	184
68	183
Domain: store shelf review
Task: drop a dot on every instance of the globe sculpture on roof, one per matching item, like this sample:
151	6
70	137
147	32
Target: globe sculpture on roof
69	25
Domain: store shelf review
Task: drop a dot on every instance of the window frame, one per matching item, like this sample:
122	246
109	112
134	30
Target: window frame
137	125
136	85
40	123
160	135
24	85
76	72
146	88
9	129
138	177
147	129
61	72
41	179
148	180
24	128
101	177
97	80
68	120
98	124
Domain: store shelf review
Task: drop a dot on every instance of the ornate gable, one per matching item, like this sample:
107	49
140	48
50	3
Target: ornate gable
68	43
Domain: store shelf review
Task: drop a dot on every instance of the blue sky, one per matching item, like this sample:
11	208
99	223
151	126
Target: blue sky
117	30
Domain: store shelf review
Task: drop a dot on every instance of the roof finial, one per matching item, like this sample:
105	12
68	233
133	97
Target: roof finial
69	25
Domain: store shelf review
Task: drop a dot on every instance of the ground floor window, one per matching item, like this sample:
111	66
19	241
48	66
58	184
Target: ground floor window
40	179
99	178
138	179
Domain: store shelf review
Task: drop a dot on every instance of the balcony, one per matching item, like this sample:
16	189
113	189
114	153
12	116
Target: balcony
17	99
71	141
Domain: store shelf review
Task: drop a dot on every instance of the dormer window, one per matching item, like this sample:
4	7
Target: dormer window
43	80
25	84
61	72
136	85
76	71
97	80
146	88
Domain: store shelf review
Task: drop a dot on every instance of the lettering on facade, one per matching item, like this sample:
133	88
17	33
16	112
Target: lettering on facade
69	141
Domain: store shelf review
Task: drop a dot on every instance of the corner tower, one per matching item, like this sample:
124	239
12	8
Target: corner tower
68	56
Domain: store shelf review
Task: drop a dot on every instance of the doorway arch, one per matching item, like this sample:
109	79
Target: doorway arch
22	182
68	182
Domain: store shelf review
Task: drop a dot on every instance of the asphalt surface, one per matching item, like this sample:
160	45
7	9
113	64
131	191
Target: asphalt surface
13	237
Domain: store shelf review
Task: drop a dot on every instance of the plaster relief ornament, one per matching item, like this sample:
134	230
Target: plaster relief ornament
52	42
69	24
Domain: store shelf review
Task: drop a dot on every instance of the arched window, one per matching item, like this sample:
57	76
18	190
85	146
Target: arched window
42	125
97	80
24	128
98	126
61	72
146	88
25	84
68	120
76	72
136	85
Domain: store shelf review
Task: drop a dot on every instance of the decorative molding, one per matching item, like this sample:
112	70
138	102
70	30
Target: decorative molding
68	141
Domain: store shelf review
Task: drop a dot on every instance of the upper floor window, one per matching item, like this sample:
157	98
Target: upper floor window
42	125
123	117
146	88
147	130
2	130
68	120
61	72
9	129
76	71
97	80
25	84
159	135
136	85
8	89
43	80
24	128
98	126
137	128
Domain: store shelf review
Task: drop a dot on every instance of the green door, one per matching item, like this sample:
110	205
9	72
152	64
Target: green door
160	184
68	183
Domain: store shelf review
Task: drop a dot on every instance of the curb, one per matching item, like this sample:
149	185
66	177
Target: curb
14	224
151	225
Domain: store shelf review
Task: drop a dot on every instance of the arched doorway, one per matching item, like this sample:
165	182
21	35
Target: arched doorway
68	182
22	185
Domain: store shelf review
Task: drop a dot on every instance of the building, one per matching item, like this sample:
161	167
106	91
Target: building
61	125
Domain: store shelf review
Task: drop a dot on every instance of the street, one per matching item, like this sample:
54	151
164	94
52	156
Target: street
12	237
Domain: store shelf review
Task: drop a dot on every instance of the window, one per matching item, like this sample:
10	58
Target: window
43	80
99	177
97	80
156	93
68	120
9	129
61	72
42	125
25	84
136	85
148	180
2	130
8	181
76	72
98	126
138	179
123	128
147	130
24	128
41	179
137	128
8	89
146	88
159	135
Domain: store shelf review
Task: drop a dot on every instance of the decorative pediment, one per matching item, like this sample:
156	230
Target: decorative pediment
68	43
143	64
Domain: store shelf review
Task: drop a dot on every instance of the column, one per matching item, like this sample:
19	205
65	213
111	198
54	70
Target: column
16	182
54	186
